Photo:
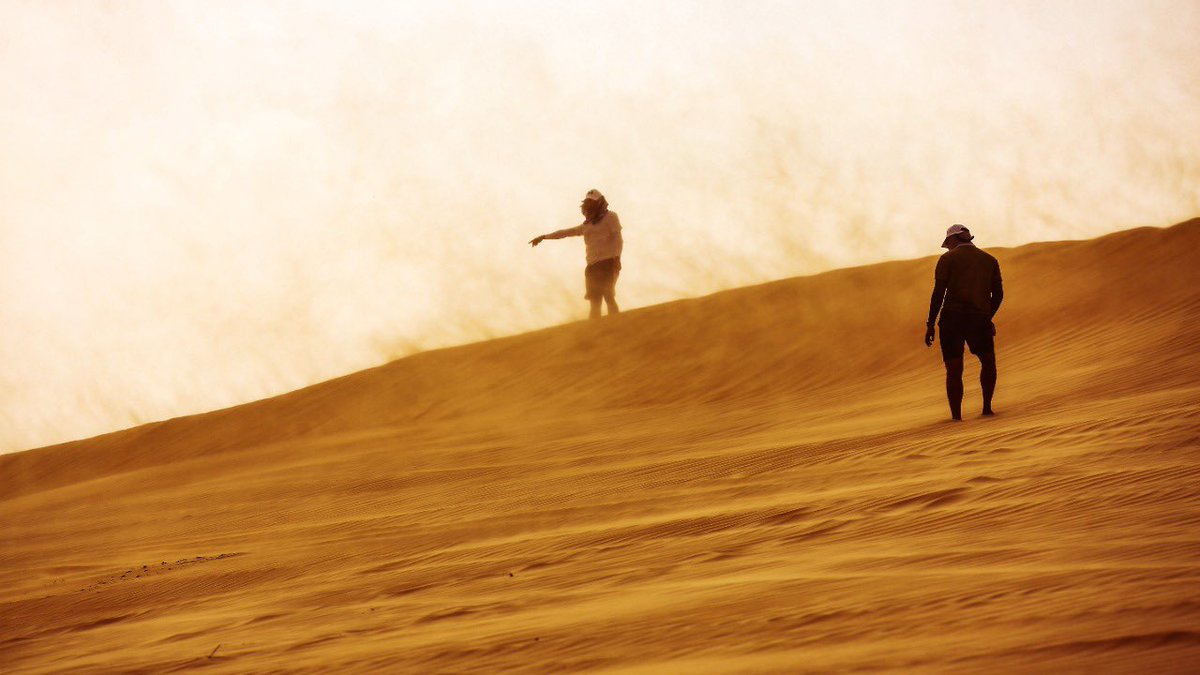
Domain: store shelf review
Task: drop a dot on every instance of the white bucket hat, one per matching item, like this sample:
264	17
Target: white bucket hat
957	231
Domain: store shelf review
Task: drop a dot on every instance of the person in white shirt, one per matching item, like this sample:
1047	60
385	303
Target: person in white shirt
601	232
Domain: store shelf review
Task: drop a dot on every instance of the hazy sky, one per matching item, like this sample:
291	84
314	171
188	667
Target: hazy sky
204	203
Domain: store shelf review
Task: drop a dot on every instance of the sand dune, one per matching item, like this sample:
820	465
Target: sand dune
761	480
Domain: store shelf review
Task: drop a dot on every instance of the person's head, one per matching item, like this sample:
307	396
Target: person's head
955	235
593	204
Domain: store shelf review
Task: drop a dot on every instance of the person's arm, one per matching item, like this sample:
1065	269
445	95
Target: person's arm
558	234
935	306
997	291
935	301
941	281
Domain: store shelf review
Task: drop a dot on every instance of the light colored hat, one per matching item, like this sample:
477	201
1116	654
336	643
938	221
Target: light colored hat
958	231
593	195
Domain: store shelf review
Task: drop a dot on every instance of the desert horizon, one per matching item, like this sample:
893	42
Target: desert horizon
155	423
760	480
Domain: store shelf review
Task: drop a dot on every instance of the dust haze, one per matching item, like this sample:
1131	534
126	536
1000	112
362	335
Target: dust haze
207	203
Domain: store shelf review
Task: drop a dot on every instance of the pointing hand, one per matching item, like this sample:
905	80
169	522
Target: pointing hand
536	240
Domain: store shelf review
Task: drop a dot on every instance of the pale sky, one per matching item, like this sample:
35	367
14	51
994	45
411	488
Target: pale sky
206	203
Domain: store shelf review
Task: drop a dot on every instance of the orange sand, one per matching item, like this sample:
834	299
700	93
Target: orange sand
759	480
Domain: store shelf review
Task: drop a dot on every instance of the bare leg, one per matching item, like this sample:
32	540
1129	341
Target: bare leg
610	299
595	314
954	386
987	380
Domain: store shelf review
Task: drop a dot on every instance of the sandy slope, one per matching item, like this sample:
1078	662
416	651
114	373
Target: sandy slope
760	480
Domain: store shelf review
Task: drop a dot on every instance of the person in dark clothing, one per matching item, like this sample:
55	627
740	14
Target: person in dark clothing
967	290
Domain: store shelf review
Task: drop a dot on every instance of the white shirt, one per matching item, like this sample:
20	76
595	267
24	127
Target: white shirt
602	240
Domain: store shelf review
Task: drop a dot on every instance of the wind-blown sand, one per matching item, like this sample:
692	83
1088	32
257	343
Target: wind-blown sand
759	480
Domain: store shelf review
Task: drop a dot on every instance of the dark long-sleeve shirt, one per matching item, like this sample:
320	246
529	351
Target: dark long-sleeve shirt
967	281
